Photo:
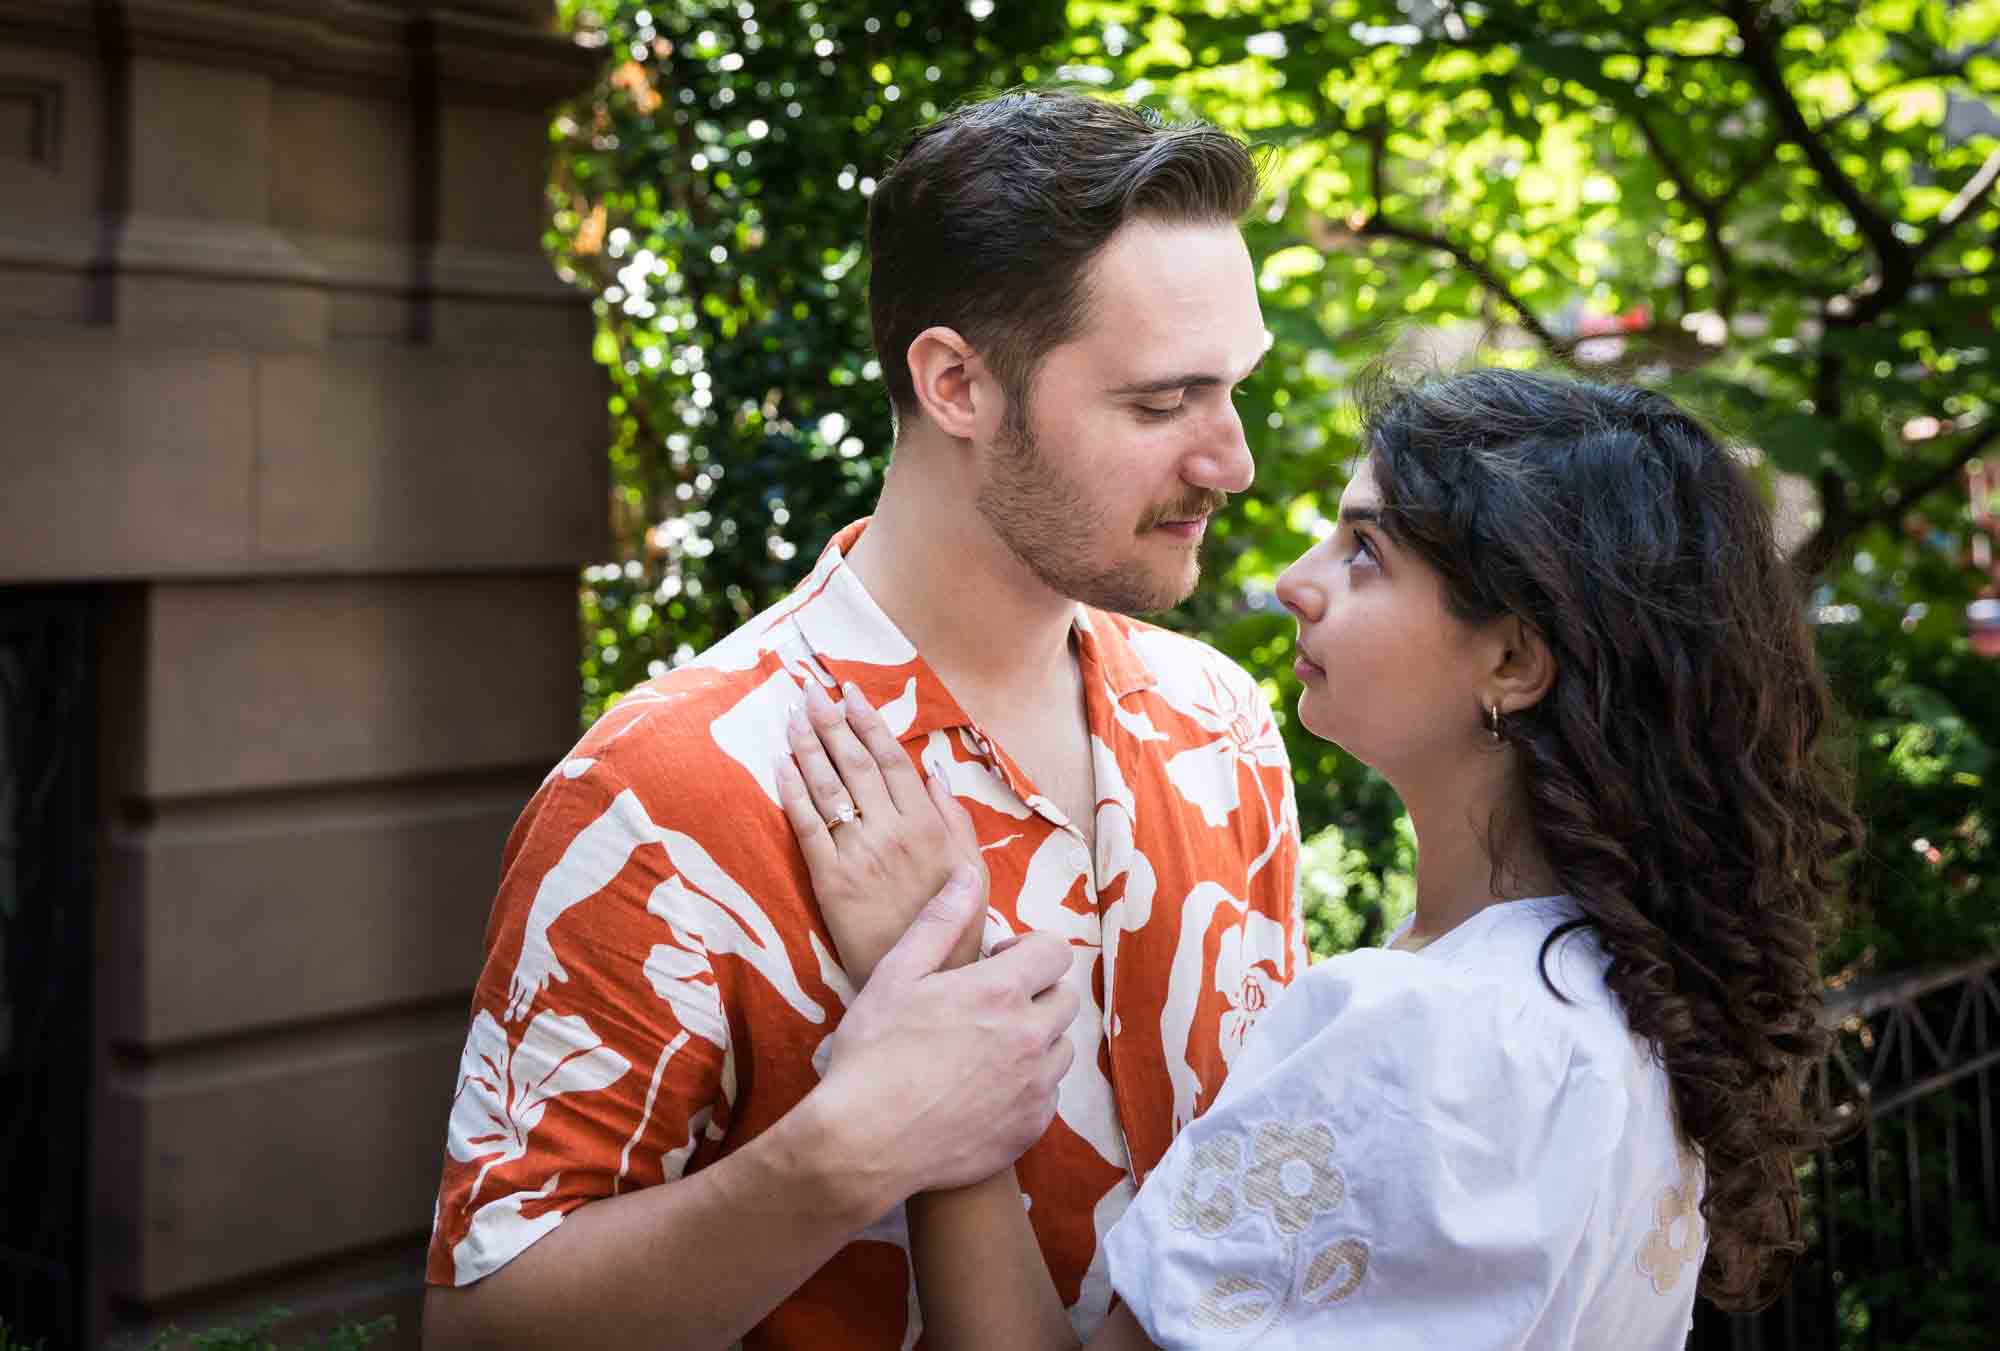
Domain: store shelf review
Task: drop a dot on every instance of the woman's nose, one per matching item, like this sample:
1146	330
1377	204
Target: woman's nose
1298	595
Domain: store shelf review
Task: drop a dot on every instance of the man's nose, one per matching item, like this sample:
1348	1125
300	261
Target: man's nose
1223	461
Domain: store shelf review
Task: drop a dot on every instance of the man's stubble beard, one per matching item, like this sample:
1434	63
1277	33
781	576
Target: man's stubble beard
1041	513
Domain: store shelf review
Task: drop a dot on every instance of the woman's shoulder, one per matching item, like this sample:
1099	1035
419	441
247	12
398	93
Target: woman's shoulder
1545	965
1475	1017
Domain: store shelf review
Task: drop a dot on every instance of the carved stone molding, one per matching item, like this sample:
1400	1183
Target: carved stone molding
227	250
31	111
485	52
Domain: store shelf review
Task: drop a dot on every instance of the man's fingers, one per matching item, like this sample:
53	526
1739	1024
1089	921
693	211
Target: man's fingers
928	941
1033	964
898	775
1057	1008
1064	1054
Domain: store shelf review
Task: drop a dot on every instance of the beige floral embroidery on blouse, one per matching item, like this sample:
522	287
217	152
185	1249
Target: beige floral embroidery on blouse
1661	1258
1294	1178
1290	1180
1233	1304
1206	1200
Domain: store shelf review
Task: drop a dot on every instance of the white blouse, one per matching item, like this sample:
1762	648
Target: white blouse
1428	1150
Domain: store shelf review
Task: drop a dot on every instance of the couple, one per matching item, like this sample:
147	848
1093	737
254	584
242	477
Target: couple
996	1051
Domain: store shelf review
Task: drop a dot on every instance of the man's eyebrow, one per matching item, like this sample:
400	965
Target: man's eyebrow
1192	380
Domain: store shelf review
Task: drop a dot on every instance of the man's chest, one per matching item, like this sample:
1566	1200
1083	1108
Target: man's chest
1052	772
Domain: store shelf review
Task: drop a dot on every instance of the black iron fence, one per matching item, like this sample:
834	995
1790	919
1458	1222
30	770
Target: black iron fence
47	714
1903	1206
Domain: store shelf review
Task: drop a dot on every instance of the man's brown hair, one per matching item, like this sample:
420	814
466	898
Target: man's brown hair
989	219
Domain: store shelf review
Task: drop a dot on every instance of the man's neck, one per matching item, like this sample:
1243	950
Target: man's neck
990	629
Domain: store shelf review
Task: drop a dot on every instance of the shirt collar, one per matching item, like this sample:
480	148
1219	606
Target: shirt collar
1104	643
839	623
850	637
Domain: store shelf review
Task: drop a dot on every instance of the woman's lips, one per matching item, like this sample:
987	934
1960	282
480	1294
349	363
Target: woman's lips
1307	670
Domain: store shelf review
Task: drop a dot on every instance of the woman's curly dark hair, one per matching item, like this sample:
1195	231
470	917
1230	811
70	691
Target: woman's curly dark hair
1676	777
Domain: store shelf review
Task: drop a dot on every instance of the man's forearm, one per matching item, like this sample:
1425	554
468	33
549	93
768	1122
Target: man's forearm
695	1263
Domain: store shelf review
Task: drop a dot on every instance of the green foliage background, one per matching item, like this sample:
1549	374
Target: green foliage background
1778	211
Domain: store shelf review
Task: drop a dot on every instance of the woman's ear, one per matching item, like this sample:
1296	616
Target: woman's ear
947	375
1524	669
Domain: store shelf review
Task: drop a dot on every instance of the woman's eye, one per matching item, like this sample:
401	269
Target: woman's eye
1364	549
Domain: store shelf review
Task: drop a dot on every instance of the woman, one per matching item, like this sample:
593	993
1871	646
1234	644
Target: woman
1553	616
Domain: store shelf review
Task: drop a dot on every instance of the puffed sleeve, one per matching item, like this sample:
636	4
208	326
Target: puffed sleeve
1405	1155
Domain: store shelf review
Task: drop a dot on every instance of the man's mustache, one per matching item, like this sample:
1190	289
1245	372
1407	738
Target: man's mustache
1205	503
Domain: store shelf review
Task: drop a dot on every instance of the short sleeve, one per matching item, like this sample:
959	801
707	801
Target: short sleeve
598	1044
1403	1157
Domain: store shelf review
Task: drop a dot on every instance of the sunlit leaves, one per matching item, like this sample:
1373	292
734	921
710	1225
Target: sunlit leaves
1621	170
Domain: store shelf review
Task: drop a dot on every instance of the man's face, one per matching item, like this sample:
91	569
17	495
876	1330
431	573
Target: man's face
1104	484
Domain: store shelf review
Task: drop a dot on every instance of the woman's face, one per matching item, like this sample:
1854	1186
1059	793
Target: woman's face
1390	676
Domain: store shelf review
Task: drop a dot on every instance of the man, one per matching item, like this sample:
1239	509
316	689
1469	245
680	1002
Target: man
1062	305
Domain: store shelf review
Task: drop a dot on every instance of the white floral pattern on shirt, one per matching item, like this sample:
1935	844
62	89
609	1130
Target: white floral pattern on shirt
652	891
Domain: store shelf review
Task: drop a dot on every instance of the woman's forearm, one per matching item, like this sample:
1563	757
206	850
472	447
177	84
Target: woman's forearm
980	1275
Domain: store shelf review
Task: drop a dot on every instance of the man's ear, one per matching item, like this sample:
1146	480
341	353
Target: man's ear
1525	667
948	377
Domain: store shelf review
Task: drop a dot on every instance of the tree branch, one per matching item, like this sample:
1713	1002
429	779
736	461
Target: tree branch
1959	207
1839	523
1376	225
1778	274
1706	208
1759	161
1826	383
1760	55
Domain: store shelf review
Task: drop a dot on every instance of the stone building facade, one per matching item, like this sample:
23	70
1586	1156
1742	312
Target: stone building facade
300	429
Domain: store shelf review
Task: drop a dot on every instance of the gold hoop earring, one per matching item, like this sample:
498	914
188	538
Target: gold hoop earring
1493	722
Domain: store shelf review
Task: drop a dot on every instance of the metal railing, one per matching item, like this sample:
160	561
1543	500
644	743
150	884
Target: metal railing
1903	1204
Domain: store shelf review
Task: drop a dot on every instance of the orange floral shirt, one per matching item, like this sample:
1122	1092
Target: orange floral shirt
659	988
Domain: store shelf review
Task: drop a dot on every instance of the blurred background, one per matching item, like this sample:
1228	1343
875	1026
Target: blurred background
389	385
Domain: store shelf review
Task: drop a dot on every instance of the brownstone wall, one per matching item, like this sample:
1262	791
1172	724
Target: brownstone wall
283	370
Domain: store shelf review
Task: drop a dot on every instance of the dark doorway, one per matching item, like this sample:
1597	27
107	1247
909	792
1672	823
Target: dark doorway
47	749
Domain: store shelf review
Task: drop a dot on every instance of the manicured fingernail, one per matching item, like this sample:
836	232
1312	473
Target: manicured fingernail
795	717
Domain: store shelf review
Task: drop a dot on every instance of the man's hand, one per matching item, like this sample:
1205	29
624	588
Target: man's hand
935	1079
946	1077
878	840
